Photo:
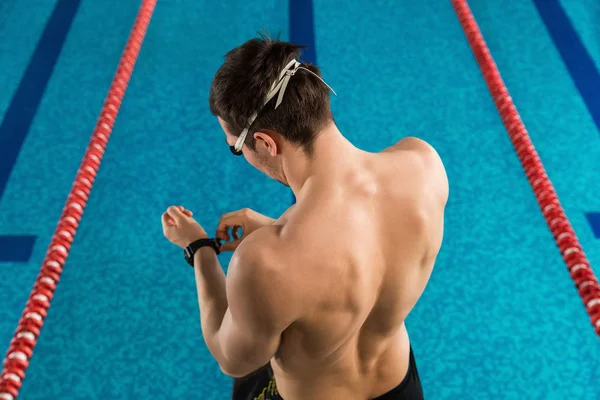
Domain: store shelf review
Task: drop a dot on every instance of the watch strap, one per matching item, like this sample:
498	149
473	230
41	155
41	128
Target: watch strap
191	249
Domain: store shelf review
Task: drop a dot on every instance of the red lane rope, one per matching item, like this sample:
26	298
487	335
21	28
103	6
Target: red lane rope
28	330
564	235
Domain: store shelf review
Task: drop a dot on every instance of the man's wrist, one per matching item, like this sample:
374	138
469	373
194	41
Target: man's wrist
203	255
198	237
201	248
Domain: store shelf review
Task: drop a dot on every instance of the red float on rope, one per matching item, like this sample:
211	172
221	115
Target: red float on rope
28	330
564	235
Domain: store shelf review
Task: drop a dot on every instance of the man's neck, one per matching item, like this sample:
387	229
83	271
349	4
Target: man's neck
331	150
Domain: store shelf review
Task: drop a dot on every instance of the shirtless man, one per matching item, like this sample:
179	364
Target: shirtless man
314	303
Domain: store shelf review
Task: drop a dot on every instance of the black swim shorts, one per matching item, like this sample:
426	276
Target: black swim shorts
260	385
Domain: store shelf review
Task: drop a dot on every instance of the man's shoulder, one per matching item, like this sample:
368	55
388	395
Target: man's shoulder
259	271
415	146
259	247
262	254
421	165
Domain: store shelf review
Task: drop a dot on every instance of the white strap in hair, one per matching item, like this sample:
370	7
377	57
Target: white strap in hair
278	86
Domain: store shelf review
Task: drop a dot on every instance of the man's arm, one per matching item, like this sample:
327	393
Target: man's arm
243	315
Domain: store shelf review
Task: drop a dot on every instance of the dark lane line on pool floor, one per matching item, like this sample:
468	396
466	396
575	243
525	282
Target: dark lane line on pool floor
580	65
22	109
302	32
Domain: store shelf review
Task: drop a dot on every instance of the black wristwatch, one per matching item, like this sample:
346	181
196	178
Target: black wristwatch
191	249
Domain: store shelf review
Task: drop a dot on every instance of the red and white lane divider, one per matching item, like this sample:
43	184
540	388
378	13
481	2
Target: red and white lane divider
564	235
36	308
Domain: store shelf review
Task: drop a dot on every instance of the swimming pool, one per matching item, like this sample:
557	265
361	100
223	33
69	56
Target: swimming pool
500	319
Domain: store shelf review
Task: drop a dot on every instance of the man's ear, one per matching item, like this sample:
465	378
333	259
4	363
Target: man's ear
267	141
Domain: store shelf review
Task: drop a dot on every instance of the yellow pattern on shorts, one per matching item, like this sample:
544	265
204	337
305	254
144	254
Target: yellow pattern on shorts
271	390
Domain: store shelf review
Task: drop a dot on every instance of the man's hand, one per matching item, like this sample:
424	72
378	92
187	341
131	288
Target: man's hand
246	219
180	228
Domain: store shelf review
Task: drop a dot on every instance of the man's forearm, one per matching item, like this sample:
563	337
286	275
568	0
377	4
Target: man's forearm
212	298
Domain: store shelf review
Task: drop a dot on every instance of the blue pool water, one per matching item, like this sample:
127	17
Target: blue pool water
500	318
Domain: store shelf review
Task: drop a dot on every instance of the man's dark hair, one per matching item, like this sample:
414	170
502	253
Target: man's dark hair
240	87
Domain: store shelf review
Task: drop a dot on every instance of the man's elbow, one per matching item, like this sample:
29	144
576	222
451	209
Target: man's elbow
235	370
238	362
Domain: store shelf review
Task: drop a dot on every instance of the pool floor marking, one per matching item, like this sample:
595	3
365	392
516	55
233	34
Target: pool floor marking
302	32
579	63
594	221
16	248
302	28
21	111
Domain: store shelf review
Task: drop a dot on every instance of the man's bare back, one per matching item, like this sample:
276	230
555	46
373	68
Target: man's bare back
357	251
314	303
